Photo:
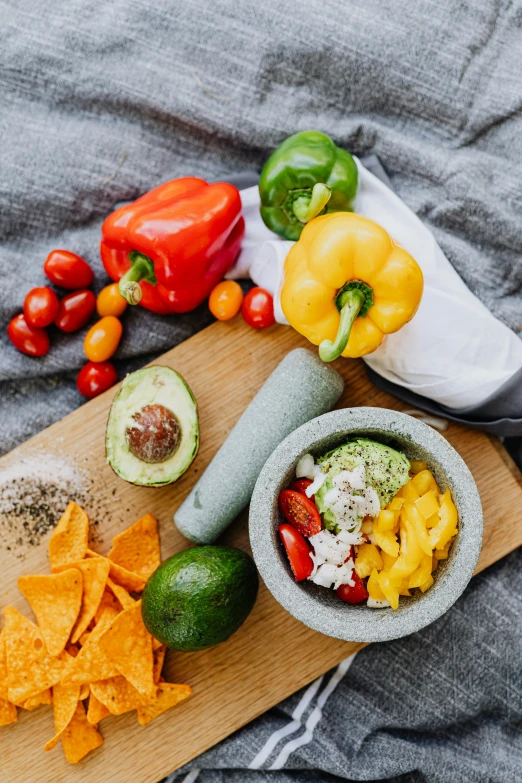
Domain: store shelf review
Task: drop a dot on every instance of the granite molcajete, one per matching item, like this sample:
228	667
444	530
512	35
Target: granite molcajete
321	609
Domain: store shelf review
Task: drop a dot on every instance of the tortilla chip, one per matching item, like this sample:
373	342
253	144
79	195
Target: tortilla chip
44	697
30	668
84	691
121	594
117	694
94	573
137	549
55	600
91	664
97	711
80	737
65	701
108	600
132	582
70	539
168	696
159	657
8	712
128	644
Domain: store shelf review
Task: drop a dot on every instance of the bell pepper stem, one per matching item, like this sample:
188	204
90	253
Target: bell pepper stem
305	208
352	302
141	268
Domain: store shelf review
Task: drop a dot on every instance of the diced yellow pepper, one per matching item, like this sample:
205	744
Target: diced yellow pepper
367	559
442	554
427	504
416	465
412	515
427	584
447	525
372	585
422	573
432	521
396	504
403	588
385	521
410	552
367	526
387	541
389	589
409	491
387	561
423	481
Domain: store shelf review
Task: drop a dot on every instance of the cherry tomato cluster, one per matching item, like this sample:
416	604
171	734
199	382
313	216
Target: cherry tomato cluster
257	306
43	308
302	521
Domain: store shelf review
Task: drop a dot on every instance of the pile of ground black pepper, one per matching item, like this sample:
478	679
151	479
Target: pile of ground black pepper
34	493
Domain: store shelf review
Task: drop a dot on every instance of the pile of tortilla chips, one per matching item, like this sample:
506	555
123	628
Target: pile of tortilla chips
89	655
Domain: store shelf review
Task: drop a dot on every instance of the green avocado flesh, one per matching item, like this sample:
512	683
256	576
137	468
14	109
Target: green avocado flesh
167	434
386	471
200	597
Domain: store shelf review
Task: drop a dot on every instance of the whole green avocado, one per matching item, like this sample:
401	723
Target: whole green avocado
198	598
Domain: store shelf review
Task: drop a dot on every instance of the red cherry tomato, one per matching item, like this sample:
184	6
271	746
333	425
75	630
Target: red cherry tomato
68	270
28	339
301	485
297	550
41	307
258	308
300	512
75	310
95	378
353	595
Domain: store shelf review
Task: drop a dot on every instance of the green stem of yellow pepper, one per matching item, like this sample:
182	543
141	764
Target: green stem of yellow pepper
353	300
307	207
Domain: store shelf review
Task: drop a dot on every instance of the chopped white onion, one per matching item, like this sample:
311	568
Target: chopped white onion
373	603
316	484
351	479
330	497
325	575
344	575
350	538
328	548
373	504
305	467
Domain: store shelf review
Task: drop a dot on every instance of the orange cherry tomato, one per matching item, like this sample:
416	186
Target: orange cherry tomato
225	300
102	339
110	301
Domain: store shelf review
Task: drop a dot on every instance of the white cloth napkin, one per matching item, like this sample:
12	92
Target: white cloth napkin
454	351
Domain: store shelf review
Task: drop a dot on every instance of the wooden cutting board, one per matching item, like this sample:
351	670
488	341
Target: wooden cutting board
272	655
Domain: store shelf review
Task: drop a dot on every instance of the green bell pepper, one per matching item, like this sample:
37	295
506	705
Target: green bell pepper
306	176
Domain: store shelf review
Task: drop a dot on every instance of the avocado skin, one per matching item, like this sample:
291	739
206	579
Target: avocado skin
198	598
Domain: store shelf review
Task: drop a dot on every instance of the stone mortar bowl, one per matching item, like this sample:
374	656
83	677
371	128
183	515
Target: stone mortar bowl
320	608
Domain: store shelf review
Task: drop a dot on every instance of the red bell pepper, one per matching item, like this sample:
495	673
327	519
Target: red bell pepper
169	248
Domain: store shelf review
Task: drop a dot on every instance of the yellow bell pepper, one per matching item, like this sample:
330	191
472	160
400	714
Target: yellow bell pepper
410	552
367	559
419	526
447	526
372	585
347	284
422	573
389	589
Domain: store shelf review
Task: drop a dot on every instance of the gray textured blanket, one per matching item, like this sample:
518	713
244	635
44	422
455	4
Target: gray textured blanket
100	101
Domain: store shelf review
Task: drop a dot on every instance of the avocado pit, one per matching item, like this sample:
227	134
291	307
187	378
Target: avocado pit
155	436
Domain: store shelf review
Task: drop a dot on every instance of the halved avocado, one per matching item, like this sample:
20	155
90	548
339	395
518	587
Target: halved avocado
153	429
